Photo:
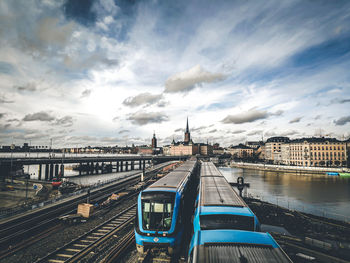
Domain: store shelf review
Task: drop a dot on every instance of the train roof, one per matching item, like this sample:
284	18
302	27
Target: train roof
216	191
187	166
174	179
239	246
209	169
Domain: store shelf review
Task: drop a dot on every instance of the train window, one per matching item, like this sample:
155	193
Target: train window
157	214
238	222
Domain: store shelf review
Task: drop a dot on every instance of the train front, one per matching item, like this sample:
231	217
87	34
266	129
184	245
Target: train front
156	220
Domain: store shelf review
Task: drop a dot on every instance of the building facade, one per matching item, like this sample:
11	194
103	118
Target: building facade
273	149
241	151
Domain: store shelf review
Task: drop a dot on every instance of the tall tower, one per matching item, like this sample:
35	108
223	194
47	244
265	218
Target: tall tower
187	133
154	141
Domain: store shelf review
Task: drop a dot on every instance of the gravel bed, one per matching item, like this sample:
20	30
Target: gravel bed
63	236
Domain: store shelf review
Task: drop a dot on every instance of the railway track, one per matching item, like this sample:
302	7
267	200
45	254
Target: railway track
83	245
34	223
120	248
22	231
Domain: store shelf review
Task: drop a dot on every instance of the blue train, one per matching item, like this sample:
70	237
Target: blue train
224	227
164	209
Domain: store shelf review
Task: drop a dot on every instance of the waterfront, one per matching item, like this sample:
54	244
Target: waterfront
316	194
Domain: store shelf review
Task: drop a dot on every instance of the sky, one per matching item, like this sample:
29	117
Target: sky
112	72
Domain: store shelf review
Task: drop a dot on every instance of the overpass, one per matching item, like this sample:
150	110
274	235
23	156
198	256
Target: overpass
50	167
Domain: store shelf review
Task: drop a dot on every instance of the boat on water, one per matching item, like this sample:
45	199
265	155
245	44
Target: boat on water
332	173
344	174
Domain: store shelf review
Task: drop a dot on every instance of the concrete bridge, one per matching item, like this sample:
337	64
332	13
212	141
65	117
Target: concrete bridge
52	167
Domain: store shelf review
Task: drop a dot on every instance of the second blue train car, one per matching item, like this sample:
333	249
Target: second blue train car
164	208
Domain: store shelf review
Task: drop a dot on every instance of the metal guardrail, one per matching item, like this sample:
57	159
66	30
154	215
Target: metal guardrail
290	167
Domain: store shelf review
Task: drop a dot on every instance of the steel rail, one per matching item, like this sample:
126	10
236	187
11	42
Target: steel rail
95	237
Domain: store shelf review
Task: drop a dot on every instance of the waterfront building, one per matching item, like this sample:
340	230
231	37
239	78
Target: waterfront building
318	152
241	151
273	149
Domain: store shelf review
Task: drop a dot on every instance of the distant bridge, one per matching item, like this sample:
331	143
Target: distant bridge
50	167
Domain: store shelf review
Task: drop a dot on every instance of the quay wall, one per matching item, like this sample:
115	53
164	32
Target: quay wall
287	168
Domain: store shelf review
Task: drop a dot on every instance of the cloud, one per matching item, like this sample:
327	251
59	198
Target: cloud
39	116
143	118
66	121
179	129
199	128
317	117
142	98
30	87
212	131
295	120
237	131
3	99
85	93
188	80
123	131
244	117
277	113
2	115
339	101
342	121
257	132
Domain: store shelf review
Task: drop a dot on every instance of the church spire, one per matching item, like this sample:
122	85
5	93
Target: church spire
187	134
187	129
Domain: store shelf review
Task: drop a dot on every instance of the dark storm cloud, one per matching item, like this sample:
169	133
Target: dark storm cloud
143	118
295	120
142	98
249	116
39	116
342	121
85	93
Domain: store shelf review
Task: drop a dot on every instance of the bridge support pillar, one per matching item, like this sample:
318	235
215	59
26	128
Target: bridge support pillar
56	170
121	166
62	170
132	166
47	168
117	165
39	171
144	164
140	165
80	167
97	167
51	171
126	166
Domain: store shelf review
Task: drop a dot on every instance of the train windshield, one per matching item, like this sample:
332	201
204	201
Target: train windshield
157	211
237	222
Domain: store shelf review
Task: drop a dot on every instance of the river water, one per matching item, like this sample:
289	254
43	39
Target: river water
322	195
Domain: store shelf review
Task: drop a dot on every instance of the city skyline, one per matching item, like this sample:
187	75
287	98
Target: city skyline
112	72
